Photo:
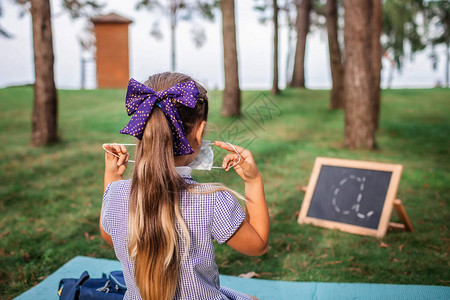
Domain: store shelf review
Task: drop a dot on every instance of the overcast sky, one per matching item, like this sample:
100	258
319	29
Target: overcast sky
149	56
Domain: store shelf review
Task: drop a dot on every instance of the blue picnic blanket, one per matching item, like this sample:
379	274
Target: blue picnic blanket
261	288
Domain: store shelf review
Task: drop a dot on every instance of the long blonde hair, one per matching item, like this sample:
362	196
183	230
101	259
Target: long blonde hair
154	205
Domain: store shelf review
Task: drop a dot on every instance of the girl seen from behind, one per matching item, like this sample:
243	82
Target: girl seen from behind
161	222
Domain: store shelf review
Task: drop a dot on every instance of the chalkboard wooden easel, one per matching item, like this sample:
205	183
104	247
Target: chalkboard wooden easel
353	196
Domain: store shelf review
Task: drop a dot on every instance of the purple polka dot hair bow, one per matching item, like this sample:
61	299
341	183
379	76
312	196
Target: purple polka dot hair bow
140	101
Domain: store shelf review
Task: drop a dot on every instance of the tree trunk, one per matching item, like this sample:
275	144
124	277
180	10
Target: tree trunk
446	64
45	108
231	105
391	69
376	24
336	65
358	79
173	22
275	89
298	75
288	70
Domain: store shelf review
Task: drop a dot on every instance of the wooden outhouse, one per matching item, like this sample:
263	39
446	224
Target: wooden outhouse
112	57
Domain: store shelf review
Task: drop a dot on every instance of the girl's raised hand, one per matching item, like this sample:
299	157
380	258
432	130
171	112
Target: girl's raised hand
252	237
114	165
246	168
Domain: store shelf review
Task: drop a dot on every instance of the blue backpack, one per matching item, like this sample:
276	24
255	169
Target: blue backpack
86	288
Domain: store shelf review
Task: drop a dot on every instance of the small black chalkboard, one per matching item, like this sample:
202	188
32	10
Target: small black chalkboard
353	196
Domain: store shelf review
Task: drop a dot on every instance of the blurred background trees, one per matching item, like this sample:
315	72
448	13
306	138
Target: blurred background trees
275	88
269	12
402	37
362	70
302	25
437	21
335	53
359	34
231	104
45	108
177	11
45	112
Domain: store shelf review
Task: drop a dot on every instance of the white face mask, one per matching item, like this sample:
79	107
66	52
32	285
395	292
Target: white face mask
205	158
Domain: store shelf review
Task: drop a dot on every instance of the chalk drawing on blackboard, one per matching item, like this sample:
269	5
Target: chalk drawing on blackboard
353	196
356	207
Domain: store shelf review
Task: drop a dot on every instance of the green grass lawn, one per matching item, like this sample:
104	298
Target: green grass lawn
50	197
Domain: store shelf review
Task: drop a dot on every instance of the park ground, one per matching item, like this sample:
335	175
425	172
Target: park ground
50	197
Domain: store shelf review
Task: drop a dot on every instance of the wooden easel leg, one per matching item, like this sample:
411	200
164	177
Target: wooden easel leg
406	222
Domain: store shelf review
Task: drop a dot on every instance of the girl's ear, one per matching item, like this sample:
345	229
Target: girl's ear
199	132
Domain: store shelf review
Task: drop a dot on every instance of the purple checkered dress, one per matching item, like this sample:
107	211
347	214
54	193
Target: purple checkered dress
209	217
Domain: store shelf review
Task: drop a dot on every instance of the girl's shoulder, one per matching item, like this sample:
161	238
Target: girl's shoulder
119	187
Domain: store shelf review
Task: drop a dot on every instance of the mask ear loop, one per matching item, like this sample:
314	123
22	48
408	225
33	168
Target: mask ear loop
236	163
132	161
103	146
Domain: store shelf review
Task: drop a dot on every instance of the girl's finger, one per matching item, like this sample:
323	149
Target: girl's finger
225	161
117	149
227	146
109	155
228	161
107	147
123	148
113	148
122	158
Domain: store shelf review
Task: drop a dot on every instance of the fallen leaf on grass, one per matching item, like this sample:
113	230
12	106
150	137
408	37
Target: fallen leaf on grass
89	237
26	257
224	264
288	247
333	262
401	247
249	275
383	245
354	269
